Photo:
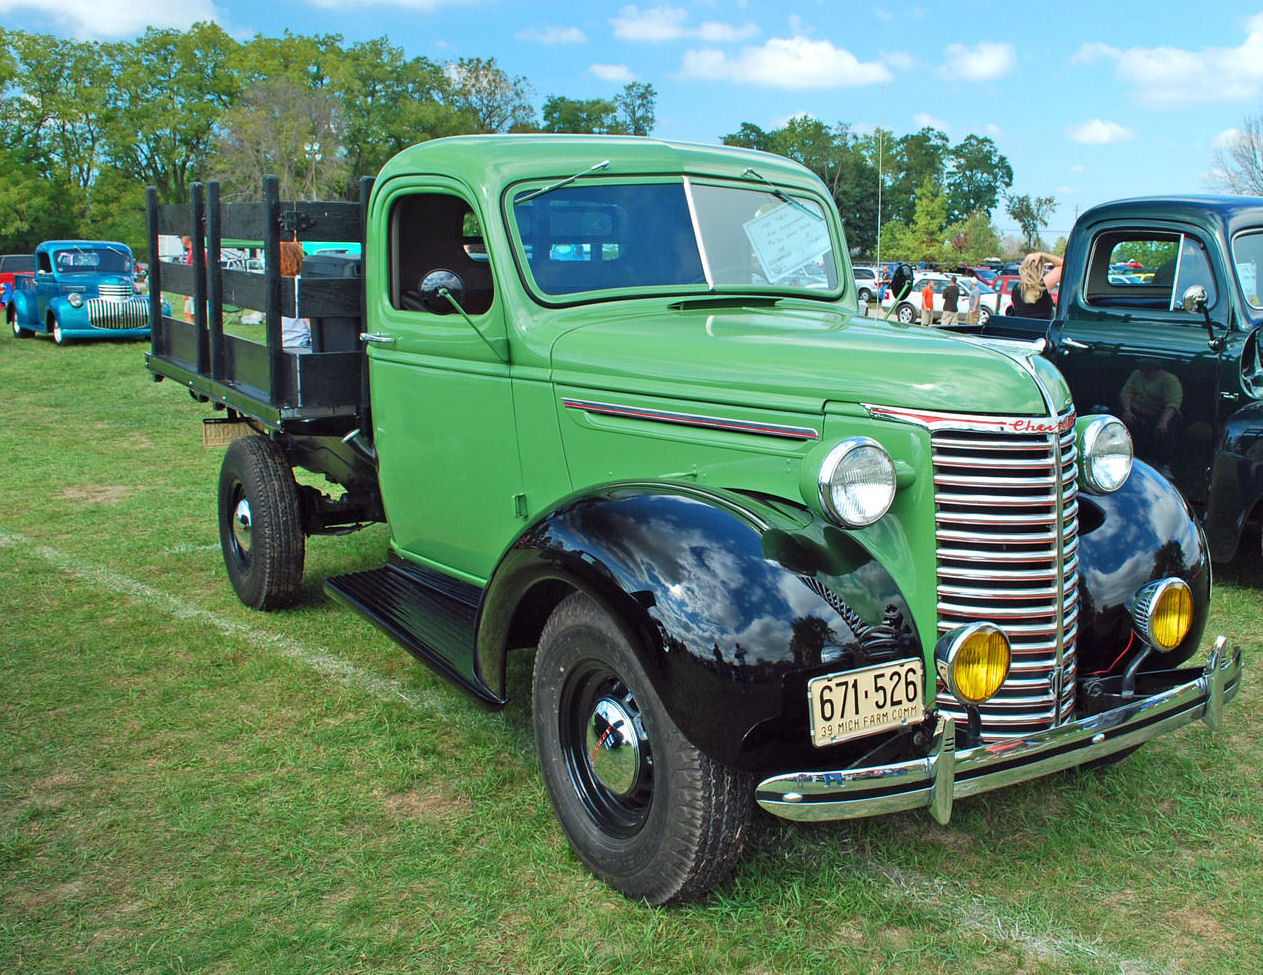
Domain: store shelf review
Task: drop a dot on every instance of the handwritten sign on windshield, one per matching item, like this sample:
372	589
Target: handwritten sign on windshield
786	238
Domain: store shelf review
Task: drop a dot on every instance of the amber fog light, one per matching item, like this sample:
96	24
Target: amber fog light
973	661
1163	613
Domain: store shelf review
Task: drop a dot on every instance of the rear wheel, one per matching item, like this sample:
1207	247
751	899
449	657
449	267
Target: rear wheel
18	331
260	523
906	314
984	315
643	809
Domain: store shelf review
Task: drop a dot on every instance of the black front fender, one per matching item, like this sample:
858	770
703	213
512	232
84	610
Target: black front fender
730	602
1142	532
1236	482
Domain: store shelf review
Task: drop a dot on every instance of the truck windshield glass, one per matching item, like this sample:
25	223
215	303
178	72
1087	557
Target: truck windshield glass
1247	258
96	260
645	236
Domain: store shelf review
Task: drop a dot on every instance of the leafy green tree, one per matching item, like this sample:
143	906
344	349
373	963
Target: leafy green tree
286	129
170	90
913	159
1031	214
589	115
637	107
496	101
389	102
975	238
977	176
925	236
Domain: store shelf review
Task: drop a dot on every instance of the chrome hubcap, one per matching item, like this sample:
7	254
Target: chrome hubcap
613	746
241	526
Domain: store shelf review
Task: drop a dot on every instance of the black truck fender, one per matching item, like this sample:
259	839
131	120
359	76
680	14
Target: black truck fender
731	604
1143	532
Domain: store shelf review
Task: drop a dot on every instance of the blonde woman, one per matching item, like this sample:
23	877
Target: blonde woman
1032	296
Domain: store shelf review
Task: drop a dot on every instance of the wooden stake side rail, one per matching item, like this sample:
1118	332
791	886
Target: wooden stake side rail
280	387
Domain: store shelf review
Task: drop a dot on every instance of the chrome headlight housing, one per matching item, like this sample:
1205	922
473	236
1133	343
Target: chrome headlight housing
973	661
74	299
1163	613
856	483
1105	455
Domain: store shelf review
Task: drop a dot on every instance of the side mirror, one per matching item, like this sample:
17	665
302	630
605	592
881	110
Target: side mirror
901	281
1195	299
435	287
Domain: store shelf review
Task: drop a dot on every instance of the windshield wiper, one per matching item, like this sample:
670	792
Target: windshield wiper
560	183
781	195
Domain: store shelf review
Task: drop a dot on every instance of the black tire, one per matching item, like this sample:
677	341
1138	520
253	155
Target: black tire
260	523
59	336
864	295
906	314
655	818
18	331
984	315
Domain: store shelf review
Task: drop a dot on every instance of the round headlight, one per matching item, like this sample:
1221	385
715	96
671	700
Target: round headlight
973	661
75	299
1104	455
1163	613
857	482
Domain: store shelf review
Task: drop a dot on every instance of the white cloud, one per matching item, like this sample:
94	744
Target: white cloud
985	61
619	73
93	19
924	120
1167	77
1227	139
553	35
900	60
421	6
796	62
1098	132
657	24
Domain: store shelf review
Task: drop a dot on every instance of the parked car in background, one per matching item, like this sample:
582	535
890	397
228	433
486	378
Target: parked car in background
79	289
868	284
908	309
11	264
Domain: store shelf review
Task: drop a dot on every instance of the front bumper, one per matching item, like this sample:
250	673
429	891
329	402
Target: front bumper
1170	700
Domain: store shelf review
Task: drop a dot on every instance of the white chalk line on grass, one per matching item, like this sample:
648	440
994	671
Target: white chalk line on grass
322	661
967	909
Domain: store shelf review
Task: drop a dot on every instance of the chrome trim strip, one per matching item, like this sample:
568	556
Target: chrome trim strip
945	774
694	420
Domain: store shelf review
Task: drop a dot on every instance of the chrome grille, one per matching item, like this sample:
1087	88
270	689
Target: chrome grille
115	292
1007	529
112	313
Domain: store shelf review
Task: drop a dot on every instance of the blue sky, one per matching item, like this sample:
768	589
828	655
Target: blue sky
1089	101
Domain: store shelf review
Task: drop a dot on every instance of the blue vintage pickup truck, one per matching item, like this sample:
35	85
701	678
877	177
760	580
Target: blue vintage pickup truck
80	289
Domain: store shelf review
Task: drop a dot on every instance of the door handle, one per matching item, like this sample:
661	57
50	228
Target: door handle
376	338
1070	343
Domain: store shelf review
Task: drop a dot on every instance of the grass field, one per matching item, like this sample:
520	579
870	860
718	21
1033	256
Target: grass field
189	786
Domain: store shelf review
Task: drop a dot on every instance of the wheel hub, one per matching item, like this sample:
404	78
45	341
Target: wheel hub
613	746
241	526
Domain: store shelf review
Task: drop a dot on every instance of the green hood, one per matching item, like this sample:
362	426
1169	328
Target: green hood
795	356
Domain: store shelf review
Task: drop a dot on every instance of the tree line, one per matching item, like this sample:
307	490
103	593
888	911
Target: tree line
86	125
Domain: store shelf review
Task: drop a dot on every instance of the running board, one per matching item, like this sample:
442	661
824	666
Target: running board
431	615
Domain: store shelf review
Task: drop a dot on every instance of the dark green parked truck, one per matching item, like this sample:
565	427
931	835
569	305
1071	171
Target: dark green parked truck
615	400
1168	288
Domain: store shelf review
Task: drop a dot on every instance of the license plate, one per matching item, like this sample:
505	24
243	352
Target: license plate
856	703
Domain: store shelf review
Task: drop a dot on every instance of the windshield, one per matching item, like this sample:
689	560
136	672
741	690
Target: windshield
1247	257
94	259
652	236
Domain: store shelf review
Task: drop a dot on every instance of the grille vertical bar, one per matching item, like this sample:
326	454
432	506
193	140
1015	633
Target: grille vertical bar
1007	532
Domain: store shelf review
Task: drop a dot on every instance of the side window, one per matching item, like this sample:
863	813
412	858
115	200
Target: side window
435	239
45	262
1131	269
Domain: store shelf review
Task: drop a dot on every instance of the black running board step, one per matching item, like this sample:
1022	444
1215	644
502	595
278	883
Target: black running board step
431	615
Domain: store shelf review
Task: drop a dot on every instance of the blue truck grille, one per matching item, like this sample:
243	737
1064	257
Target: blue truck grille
115	313
1007	530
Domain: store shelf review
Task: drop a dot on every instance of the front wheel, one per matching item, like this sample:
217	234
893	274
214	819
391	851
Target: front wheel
60	337
644	810
260	523
984	315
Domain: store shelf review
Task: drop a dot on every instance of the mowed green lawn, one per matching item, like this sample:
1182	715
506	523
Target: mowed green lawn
190	786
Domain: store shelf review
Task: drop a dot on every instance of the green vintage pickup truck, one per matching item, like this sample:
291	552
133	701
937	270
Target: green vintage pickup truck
616	402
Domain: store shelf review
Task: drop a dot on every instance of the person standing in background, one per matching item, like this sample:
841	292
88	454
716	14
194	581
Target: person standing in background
927	304
951	302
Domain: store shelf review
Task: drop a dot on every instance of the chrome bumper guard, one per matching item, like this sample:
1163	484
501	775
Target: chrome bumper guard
945	774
